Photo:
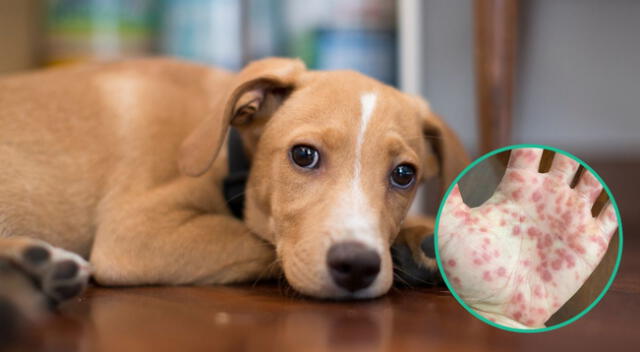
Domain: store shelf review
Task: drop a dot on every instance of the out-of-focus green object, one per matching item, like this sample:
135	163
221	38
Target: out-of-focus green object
80	30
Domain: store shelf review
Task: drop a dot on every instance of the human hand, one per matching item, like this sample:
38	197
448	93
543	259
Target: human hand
517	258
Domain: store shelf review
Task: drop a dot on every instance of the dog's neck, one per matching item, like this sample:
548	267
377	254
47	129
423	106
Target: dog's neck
236	180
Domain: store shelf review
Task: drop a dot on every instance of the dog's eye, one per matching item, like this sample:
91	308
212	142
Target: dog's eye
305	156
403	175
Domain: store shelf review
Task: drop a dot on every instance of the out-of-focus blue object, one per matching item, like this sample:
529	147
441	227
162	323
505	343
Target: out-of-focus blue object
345	34
372	52
208	31
267	32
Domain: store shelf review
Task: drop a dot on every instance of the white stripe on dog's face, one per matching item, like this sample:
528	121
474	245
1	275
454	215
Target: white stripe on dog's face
367	105
354	216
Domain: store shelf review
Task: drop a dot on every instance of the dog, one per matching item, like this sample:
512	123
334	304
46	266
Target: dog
120	170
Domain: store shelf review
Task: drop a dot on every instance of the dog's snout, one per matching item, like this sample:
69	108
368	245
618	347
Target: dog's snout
352	265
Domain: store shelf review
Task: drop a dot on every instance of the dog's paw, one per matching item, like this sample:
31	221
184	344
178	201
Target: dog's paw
414	255
58	273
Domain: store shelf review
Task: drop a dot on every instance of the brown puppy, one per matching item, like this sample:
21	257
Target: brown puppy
123	165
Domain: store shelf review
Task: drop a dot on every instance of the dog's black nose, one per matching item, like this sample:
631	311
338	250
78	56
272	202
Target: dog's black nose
352	265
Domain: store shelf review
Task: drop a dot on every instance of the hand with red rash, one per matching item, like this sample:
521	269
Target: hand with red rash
517	258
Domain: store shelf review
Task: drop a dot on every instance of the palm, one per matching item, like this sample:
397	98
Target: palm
531	246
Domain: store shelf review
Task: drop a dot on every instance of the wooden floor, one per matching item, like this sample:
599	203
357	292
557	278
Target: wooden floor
269	318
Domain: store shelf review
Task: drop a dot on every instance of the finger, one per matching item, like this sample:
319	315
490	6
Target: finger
564	168
455	199
589	186
608	221
455	212
525	159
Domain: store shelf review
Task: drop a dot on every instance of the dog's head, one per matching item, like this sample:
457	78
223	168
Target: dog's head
336	160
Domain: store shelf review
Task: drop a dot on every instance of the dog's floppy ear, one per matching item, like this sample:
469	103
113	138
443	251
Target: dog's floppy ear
446	157
245	98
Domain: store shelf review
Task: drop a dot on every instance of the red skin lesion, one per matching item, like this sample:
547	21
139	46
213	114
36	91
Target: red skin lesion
517	298
574	243
517	194
517	315
517	177
536	196
537	291
533	232
461	214
549	185
486	276
565	257
600	242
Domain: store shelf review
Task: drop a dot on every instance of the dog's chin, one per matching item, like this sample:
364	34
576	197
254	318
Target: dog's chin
329	291
344	295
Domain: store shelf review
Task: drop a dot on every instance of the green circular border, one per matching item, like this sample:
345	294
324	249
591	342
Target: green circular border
611	199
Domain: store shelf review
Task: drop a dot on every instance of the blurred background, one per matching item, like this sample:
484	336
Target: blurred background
558	72
563	73
228	33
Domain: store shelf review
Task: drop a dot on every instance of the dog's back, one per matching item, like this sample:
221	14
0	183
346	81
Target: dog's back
71	137
65	135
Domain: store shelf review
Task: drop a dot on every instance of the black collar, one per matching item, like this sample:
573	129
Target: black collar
236	180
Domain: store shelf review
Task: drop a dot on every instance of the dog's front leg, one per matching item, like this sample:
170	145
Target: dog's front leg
413	252
156	243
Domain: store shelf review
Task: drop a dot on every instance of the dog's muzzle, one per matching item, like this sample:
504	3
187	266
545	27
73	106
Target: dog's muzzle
352	265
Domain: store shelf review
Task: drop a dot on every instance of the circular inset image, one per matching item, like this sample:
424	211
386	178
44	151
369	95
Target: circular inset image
525	238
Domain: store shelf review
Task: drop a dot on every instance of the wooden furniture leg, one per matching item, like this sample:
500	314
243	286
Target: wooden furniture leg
495	57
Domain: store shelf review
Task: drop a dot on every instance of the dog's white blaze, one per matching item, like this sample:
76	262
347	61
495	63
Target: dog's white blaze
367	104
355	216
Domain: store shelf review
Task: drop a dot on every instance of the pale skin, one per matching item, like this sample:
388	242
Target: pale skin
517	258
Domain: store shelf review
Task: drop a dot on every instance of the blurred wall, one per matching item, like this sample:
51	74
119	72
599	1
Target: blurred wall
578	85
20	37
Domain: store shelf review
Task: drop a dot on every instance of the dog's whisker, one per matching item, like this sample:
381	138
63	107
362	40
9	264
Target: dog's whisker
397	270
264	273
400	279
408	274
